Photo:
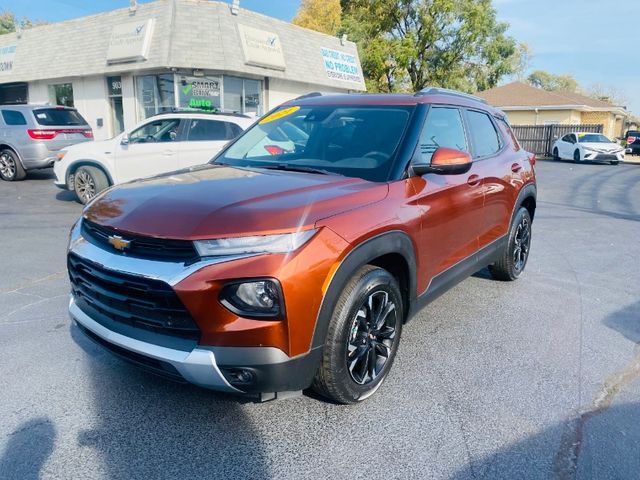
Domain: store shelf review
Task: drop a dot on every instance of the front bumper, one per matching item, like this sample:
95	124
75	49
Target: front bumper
228	345
197	366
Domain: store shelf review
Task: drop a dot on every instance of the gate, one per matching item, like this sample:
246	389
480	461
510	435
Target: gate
539	139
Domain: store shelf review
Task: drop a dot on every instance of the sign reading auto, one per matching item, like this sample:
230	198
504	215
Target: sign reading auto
130	41
261	48
200	92
7	54
342	66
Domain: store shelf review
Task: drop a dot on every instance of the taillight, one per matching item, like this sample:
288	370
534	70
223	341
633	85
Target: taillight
630	140
42	134
274	149
532	159
48	134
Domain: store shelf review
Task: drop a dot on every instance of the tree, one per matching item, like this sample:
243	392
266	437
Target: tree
410	44
606	93
9	22
320	15
553	83
520	61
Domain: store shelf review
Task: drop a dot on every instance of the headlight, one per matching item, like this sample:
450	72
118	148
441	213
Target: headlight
284	243
260	298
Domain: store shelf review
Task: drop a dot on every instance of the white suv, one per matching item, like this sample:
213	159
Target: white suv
160	144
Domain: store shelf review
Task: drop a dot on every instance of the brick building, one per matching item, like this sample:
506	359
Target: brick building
527	105
120	67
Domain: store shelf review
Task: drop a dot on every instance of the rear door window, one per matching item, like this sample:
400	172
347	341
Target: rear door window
13	117
58	117
483	134
443	128
210	130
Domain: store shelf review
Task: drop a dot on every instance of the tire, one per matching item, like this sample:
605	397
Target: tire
372	346
556	157
11	169
576	156
514	258
88	182
614	162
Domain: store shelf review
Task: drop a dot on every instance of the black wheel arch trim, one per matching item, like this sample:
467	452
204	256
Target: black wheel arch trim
528	191
76	164
391	242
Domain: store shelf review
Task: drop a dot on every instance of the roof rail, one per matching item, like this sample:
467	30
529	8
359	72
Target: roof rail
446	91
310	95
215	111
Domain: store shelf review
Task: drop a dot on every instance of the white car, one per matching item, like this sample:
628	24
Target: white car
162	143
584	146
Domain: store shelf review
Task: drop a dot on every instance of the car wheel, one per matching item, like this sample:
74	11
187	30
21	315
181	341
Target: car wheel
88	182
516	253
10	166
614	162
363	336
576	156
556	156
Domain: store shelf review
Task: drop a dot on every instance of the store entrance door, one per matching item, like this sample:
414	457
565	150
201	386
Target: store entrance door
114	85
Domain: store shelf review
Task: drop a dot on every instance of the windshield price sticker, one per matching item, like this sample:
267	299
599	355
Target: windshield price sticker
279	114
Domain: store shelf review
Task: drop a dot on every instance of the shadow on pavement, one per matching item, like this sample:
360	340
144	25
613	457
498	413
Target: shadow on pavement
626	322
149	427
28	449
605	449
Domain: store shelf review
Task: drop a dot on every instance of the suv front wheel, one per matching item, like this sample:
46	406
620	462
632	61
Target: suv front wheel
88	182
363	336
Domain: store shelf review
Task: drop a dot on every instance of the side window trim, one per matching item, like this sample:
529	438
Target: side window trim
501	142
467	139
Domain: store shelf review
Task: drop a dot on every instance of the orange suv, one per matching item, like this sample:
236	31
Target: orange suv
296	256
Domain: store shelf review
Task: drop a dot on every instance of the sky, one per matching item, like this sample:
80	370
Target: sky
589	39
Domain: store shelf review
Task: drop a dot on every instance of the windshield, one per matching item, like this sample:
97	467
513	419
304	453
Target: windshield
351	141
592	138
58	116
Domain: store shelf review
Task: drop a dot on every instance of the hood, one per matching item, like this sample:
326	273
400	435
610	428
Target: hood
215	201
104	146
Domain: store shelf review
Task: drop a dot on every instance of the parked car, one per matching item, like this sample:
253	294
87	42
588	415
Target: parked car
31	136
585	146
269	272
633	142
160	144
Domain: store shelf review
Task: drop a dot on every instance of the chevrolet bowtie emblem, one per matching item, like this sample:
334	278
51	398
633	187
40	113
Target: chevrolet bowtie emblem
119	243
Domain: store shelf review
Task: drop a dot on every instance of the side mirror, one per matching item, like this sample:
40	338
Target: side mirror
445	161
125	139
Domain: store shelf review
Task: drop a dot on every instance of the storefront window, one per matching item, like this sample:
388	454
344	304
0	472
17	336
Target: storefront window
242	95
61	94
199	92
155	94
13	93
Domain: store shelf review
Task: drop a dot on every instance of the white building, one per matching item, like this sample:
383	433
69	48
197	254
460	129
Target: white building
122	66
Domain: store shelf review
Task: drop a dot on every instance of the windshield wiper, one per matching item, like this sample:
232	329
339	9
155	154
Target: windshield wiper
297	168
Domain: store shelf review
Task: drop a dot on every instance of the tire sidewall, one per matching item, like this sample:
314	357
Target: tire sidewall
522	212
98	182
372	281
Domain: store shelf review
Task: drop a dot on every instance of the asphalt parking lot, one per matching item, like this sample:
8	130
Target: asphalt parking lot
533	379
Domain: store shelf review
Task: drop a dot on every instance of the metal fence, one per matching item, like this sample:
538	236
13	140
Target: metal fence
539	139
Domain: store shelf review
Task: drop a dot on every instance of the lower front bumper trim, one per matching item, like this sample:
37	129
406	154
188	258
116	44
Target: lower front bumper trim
198	366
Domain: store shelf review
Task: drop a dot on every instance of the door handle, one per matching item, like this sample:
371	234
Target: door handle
473	180
168	153
516	167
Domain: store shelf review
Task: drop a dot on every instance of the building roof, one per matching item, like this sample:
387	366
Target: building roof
198	34
522	96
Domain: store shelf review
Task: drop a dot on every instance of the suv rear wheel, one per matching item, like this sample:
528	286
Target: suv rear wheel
10	166
515	255
363	337
88	182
